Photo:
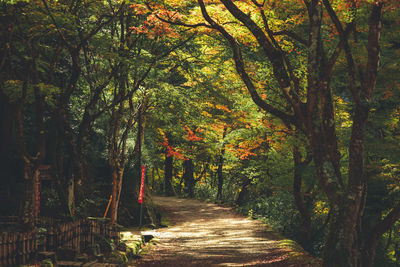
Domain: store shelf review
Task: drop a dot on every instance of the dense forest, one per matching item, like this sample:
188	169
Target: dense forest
287	110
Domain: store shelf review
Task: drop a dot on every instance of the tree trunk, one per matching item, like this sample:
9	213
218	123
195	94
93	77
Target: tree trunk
339	247
6	130
188	177
131	182
220	176
28	212
168	167
369	253
117	176
376	233
57	157
220	167
27	207
243	192
159	181
71	195
152	180
113	211
117	154
142	118
7	157
349	212
343	244
301	207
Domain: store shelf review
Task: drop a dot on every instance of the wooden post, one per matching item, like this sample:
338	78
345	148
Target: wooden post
31	242
92	231
15	249
3	248
18	237
24	247
13	254
79	235
35	242
2	254
12	258
8	252
76	234
28	246
50	238
68	232
75	229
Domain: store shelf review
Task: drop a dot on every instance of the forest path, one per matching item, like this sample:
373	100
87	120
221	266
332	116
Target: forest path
205	234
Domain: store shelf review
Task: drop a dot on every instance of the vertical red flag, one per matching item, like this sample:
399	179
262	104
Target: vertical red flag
140	200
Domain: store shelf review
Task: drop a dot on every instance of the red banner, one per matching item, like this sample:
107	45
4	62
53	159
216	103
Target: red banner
140	200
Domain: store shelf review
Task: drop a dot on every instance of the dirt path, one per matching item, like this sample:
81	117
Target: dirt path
205	234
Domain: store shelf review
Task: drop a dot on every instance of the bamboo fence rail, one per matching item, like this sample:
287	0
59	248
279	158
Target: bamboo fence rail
18	248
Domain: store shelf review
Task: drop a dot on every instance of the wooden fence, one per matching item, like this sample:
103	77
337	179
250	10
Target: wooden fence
18	248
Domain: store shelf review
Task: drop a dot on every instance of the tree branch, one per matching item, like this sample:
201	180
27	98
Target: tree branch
293	78
343	44
203	171
292	35
281	66
69	46
177	23
273	54
100	25
240	68
373	49
256	3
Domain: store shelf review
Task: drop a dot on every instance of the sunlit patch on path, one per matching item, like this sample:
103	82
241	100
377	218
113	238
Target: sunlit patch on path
204	234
